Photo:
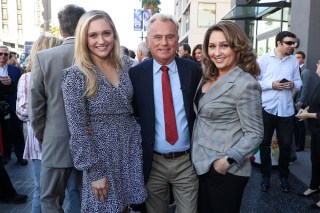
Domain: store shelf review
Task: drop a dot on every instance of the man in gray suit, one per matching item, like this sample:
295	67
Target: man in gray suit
47	113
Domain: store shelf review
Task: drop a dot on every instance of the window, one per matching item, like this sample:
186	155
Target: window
4	14
19	16
206	15
5	27
19	5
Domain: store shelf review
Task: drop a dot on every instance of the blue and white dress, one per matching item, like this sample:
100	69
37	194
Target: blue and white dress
113	150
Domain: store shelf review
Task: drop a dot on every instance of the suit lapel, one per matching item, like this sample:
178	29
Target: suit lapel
185	78
147	74
220	87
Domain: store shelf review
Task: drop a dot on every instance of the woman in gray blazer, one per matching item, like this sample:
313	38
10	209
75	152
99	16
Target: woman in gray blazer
229	126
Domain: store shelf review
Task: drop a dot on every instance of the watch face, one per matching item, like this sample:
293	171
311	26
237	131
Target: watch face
231	160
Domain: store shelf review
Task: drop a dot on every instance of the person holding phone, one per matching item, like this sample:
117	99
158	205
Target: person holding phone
278	79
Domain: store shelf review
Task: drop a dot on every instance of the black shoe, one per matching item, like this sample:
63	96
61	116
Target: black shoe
308	195
315	206
17	198
284	184
22	162
265	184
5	160
292	160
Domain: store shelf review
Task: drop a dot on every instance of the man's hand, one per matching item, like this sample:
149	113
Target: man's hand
5	80
276	85
288	85
101	188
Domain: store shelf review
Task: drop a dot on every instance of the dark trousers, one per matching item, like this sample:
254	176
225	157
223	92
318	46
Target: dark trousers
315	161
220	193
12	133
6	188
284	129
299	133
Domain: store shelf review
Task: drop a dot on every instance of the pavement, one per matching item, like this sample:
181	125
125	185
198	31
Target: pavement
254	200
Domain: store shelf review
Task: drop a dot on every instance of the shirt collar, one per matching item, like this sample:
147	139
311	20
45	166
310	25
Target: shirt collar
273	54
70	37
172	67
5	67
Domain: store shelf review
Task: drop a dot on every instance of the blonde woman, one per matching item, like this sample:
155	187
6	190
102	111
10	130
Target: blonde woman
97	92
32	149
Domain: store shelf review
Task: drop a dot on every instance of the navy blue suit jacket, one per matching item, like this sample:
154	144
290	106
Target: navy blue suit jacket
14	74
141	77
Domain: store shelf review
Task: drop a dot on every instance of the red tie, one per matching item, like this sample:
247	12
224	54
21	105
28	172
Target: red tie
168	109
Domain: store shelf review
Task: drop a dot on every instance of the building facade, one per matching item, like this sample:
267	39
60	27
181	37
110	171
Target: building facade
21	21
263	19
195	16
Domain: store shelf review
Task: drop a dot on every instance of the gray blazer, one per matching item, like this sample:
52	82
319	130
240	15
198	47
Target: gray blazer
302	94
46	106
228	123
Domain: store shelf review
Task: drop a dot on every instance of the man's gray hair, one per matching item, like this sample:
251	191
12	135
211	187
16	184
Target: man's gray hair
143	47
163	17
5	47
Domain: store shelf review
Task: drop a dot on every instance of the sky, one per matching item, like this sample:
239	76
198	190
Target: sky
121	12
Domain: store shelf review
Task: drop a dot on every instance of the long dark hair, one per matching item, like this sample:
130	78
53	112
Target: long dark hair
239	42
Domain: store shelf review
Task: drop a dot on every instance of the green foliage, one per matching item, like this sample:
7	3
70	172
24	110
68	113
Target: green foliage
55	31
151	4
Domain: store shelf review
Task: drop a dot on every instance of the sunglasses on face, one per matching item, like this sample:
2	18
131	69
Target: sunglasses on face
289	42
5	54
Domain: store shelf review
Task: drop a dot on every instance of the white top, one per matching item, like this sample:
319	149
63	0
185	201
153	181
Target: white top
278	102
32	148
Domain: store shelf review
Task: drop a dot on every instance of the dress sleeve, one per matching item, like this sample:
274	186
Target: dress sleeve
22	98
83	148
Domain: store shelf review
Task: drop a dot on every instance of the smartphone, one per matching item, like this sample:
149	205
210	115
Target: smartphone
284	80
300	111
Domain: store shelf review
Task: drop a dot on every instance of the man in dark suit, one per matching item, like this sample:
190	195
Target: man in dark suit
164	88
8	194
48	118
12	127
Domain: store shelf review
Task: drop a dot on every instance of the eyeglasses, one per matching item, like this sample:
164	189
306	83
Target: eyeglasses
5	54
289	42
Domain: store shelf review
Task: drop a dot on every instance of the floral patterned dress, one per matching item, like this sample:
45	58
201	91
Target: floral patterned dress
113	150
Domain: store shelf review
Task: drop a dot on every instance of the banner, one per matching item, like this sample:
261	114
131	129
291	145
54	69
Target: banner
141	18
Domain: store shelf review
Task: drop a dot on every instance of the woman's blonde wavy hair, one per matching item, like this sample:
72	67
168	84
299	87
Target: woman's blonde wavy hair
42	43
82	53
246	59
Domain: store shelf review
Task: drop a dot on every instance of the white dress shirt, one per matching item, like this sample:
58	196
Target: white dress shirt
183	142
278	102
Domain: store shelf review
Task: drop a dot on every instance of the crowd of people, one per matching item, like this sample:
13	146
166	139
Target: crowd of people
173	124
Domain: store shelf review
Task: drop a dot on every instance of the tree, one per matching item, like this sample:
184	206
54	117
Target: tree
151	4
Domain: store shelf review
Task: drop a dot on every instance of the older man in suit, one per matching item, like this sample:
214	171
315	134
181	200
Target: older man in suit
164	88
47	113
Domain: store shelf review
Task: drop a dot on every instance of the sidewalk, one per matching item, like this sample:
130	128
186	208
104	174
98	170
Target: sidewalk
22	179
301	168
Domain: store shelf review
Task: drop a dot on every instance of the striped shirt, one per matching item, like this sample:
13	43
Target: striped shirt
32	148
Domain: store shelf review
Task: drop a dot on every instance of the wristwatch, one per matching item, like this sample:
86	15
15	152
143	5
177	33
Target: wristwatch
230	160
